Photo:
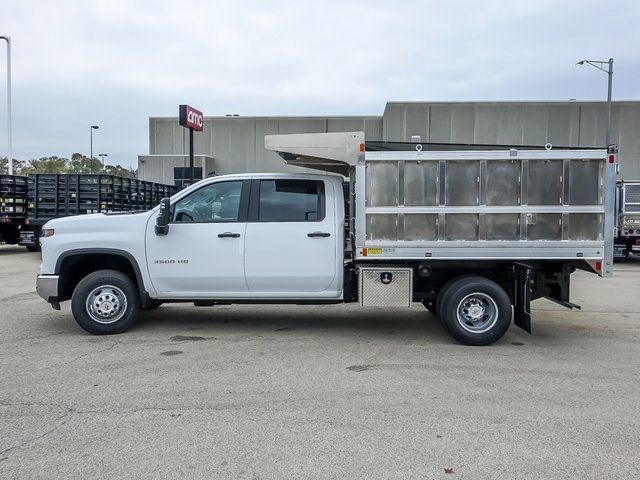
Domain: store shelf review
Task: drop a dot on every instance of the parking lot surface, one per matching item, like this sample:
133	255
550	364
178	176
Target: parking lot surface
261	392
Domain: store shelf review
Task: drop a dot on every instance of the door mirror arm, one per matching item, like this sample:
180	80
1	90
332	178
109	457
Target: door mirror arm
164	217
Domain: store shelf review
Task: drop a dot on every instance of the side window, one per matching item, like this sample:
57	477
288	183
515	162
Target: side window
215	203
291	201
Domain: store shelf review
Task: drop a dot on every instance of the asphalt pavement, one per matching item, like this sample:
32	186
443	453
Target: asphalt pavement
271	392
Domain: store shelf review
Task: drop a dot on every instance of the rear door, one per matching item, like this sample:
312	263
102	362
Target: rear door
291	242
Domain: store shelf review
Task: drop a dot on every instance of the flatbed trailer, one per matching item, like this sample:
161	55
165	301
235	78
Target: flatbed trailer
628	218
13	207
67	194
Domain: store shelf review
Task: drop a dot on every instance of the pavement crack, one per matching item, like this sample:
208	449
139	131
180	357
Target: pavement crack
65	418
93	352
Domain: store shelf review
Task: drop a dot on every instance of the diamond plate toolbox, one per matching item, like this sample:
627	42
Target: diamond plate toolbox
385	287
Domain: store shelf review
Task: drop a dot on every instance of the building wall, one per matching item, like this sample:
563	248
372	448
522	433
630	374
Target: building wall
159	168
569	124
237	143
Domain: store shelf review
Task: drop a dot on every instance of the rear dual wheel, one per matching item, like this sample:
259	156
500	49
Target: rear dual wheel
474	310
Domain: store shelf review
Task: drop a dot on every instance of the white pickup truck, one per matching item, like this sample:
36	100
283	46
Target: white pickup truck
472	235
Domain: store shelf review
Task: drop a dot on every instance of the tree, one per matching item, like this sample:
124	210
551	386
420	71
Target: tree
18	165
82	164
78	164
121	171
46	165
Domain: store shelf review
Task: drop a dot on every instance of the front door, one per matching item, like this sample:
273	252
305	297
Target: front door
291	239
202	255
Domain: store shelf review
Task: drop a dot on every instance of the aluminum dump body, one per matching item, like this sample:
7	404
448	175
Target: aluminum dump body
510	204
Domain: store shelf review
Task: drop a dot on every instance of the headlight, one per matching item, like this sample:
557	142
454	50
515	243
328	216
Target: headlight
47	232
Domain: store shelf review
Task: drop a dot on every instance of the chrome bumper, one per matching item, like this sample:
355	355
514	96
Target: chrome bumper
47	287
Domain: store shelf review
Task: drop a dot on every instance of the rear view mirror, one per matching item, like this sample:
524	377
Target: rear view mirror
164	217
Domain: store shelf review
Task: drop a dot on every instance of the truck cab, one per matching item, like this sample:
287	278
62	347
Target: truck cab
271	237
253	237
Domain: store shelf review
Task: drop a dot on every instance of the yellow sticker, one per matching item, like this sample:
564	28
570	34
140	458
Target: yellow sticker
374	251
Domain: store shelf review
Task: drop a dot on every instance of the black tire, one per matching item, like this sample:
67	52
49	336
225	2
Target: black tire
34	248
108	310
430	305
475	310
443	290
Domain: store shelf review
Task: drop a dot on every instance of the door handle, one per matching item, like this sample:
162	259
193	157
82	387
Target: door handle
228	235
318	234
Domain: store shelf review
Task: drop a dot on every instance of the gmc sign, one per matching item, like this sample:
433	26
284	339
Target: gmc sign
191	118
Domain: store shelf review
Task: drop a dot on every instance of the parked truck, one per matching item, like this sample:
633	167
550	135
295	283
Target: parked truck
13	207
627	239
52	195
474	236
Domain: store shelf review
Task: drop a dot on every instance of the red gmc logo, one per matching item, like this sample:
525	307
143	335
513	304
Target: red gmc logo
191	118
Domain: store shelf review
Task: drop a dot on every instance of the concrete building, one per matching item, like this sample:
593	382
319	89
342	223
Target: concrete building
236	144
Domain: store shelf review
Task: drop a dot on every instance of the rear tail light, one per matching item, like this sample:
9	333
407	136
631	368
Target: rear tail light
599	266
612	158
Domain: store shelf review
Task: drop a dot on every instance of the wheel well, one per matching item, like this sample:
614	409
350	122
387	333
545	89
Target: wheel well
75	267
429	287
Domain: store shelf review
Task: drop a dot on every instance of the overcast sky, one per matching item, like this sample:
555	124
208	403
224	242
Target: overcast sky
115	63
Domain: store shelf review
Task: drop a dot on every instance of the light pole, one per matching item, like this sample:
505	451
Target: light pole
8	40
599	64
93	127
102	155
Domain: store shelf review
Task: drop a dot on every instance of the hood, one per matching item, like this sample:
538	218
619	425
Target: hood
99	221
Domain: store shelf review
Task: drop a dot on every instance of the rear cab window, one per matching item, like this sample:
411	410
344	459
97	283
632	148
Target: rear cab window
283	200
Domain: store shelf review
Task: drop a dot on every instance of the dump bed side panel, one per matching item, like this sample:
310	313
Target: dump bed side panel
486	205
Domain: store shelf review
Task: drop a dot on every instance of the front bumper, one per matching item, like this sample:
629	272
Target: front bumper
47	287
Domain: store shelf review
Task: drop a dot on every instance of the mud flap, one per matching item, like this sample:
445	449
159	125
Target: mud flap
522	298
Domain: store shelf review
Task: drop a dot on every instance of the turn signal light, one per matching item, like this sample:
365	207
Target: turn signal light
47	232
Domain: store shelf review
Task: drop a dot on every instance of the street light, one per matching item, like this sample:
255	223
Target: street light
102	155
8	40
93	127
599	64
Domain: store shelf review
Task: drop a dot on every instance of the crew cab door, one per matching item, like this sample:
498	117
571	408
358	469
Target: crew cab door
292	246
202	255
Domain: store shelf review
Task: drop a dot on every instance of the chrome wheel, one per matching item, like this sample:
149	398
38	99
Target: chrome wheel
106	304
477	313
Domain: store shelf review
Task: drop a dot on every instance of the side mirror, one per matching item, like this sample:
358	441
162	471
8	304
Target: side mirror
164	217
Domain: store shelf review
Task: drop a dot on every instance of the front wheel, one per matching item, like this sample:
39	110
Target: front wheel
475	310
105	302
